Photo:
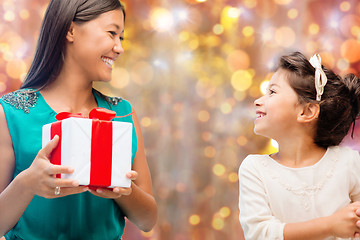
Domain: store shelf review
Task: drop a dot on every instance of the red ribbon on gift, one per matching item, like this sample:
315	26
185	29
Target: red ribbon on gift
96	113
101	144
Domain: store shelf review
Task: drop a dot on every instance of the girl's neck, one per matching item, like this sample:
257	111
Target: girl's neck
300	153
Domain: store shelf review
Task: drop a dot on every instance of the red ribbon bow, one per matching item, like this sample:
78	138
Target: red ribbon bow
96	113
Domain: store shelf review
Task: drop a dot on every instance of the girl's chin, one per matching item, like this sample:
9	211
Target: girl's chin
257	130
260	133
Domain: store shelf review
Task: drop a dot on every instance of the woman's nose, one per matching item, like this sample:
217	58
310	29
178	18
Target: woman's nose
118	47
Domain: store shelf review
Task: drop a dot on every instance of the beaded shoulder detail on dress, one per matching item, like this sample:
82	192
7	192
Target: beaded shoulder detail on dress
23	99
114	100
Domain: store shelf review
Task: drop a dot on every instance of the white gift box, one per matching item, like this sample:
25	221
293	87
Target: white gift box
85	146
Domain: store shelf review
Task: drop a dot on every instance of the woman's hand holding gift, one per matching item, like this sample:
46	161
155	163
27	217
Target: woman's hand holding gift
41	175
116	192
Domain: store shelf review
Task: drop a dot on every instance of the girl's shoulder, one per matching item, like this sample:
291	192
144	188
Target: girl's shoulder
254	161
348	156
256	157
343	157
344	153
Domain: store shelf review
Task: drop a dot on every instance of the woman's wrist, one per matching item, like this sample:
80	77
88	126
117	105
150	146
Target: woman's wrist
23	181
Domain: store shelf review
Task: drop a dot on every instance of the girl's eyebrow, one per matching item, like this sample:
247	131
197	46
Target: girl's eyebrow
274	85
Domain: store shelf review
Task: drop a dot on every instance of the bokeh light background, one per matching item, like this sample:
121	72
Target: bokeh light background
192	69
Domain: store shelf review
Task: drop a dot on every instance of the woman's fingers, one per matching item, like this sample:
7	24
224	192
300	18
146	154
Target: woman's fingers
105	193
114	193
58	169
132	175
122	191
64	191
47	150
57	182
55	192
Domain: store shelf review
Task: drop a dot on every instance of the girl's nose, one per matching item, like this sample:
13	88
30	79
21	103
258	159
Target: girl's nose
258	102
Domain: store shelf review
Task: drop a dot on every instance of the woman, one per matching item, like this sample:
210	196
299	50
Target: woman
78	43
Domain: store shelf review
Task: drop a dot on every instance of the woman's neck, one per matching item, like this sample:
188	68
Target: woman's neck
70	94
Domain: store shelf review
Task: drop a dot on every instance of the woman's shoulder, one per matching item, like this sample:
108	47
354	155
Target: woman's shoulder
112	100
115	100
120	105
22	99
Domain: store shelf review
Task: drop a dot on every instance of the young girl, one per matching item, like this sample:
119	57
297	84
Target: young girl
309	189
78	43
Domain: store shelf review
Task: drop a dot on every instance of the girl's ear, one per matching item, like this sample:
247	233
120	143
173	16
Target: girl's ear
70	34
310	112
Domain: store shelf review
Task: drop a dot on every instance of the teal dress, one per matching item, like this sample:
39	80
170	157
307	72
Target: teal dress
79	216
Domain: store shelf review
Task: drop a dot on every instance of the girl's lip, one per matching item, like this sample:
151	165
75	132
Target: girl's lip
260	114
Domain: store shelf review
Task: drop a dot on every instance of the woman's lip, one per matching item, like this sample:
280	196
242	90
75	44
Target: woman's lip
108	61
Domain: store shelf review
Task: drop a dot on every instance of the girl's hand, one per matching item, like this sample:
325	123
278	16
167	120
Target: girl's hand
345	222
41	180
116	192
357	234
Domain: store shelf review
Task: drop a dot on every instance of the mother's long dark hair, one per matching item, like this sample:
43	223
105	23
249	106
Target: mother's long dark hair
49	54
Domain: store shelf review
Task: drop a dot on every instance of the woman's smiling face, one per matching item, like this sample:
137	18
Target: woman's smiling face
95	45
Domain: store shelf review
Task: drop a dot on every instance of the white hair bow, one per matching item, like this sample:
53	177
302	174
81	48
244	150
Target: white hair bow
320	76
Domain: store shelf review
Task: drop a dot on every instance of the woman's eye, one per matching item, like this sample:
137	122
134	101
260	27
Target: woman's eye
112	33
121	38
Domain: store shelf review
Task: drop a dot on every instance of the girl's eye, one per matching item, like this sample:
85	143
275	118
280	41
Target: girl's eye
112	33
271	92
121	38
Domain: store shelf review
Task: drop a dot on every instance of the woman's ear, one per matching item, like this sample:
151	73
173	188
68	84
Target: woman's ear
310	112
70	33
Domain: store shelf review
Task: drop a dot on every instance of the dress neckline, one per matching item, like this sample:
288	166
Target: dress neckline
328	150
41	98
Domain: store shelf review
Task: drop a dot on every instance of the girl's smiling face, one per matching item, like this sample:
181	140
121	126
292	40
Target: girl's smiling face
95	45
278	109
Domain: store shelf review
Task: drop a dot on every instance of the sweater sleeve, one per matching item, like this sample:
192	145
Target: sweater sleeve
256	217
354	169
